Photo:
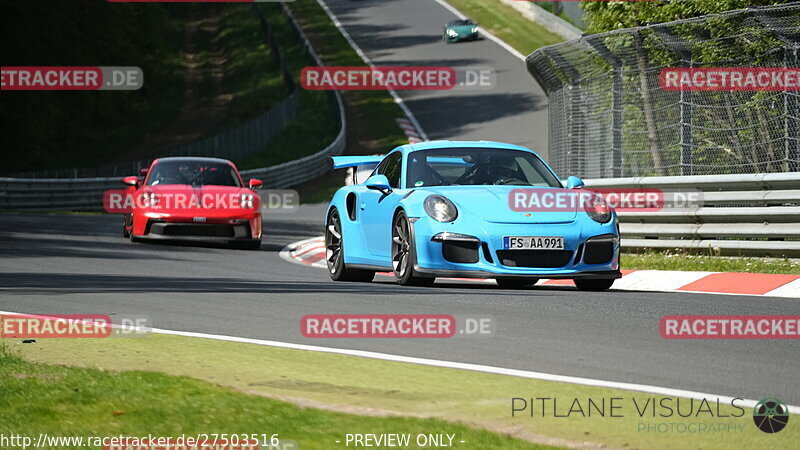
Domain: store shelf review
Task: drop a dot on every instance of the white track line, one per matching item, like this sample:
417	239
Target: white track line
657	390
483	31
367	61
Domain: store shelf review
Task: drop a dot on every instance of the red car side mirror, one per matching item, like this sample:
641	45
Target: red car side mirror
254	183
131	181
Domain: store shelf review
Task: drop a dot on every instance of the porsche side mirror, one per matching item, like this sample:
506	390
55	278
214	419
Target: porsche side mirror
254	183
575	183
378	183
131	181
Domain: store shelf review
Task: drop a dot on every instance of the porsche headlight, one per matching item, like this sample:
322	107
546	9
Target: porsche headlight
474	29
440	208
246	200
451	32
598	209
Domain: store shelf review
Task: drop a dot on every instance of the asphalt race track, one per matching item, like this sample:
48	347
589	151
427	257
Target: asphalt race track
81	264
409	33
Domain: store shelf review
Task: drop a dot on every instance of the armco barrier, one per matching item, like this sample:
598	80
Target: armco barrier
757	214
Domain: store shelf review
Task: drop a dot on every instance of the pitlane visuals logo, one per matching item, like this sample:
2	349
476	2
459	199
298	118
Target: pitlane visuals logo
771	415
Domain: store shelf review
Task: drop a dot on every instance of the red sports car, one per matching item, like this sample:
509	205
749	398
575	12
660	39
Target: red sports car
194	199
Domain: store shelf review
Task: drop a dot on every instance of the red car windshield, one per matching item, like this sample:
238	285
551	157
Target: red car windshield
194	173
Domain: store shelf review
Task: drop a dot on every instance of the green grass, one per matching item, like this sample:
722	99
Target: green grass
657	260
63	401
330	382
507	24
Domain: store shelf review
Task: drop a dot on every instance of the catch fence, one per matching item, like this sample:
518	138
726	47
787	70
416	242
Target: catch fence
610	117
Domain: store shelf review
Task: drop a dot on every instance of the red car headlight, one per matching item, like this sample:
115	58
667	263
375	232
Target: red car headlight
148	200
246	201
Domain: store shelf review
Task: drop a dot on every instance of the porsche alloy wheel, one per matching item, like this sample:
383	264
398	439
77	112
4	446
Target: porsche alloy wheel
403	255
333	243
334	253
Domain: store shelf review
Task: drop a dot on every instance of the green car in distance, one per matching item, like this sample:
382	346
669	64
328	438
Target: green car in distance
460	30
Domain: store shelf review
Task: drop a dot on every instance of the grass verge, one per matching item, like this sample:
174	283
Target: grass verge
658	260
330	382
65	401
507	24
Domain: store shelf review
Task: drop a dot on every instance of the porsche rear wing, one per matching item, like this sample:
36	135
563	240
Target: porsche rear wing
340	162
358	167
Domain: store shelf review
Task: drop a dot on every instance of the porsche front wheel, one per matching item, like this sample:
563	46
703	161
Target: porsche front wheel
334	253
404	255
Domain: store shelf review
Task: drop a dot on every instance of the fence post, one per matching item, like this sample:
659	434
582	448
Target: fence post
684	52
617	106
790	115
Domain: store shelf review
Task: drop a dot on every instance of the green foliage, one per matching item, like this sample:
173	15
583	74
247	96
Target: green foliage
603	16
43	129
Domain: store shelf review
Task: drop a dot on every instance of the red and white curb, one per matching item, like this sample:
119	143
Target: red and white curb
412	133
311	252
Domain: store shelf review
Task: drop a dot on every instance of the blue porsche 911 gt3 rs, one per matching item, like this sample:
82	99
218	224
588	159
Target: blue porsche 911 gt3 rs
469	209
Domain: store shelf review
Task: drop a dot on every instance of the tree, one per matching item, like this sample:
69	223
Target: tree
603	16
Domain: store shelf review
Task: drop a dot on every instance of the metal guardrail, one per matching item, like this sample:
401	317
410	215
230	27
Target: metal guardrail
548	20
757	215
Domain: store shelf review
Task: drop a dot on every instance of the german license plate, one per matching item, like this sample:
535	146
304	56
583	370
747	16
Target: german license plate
533	242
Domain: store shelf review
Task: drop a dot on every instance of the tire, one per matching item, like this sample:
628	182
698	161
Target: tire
131	236
125	232
600	284
404	254
516	283
334	253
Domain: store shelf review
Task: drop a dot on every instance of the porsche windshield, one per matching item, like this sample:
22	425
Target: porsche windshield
477	166
194	173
